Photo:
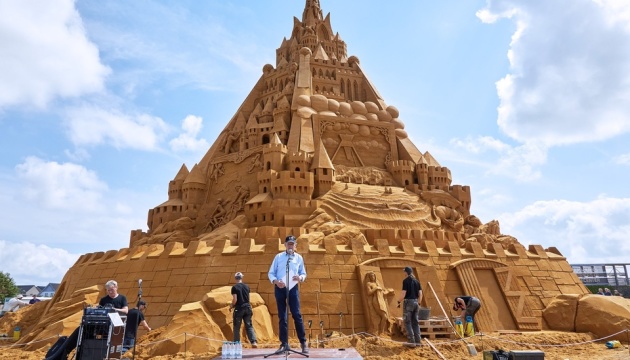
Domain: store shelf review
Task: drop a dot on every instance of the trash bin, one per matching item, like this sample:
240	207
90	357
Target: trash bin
424	313
16	333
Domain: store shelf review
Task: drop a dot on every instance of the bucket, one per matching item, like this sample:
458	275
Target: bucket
424	313
16	333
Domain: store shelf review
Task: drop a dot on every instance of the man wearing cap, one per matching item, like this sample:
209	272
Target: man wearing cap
242	310
283	291
135	317
14	304
410	296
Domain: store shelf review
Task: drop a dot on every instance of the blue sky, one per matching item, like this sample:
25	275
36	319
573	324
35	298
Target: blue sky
528	102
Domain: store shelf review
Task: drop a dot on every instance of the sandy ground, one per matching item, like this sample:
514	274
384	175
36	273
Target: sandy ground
372	348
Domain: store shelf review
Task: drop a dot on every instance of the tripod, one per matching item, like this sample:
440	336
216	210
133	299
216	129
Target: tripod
137	324
286	349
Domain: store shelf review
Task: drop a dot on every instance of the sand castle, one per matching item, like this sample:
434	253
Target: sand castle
315	151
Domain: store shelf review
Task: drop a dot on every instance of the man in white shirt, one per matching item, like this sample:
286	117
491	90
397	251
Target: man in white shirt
13	304
283	292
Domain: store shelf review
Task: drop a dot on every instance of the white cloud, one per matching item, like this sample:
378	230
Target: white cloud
80	223
45	53
623	159
570	70
60	186
518	162
595	231
187	141
77	155
91	125
31	264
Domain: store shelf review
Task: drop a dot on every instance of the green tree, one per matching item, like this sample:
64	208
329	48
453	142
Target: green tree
7	286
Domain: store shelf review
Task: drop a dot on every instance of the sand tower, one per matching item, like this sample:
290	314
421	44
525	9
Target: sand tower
315	151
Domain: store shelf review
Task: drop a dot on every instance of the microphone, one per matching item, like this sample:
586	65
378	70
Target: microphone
140	282
290	253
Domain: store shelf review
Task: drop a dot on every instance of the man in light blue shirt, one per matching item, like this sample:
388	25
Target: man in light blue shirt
278	276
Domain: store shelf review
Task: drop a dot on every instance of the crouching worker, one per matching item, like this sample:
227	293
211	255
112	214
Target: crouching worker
469	306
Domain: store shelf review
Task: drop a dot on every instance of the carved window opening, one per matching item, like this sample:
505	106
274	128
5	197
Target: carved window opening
349	90
343	87
356	90
297	169
268	165
325	171
265	189
265	139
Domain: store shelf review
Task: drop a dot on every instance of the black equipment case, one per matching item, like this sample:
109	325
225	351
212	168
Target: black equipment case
526	355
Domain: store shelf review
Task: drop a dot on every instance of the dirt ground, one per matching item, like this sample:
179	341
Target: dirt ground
555	345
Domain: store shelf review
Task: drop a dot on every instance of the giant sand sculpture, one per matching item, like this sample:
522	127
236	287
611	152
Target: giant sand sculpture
315	151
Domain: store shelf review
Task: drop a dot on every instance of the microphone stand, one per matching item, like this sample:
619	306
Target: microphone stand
135	335
287	349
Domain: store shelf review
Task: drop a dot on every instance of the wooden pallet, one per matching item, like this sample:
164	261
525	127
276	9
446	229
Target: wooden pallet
434	328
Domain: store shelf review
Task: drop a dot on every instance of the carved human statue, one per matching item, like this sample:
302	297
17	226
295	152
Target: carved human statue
377	305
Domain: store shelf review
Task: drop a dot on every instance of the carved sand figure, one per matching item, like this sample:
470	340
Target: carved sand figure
256	164
217	170
448	216
379	314
231	138
217	215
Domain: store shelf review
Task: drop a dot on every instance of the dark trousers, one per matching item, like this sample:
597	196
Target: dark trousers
294	306
243	314
472	309
410	316
128	343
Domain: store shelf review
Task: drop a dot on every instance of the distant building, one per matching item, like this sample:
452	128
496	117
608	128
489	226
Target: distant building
29	290
49	290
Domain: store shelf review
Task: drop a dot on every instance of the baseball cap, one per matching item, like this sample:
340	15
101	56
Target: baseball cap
19	296
408	270
238	275
290	238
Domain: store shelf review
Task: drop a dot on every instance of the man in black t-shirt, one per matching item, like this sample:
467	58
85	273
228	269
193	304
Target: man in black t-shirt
113	298
135	317
411	295
242	310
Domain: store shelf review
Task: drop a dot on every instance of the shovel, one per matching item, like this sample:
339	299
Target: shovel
471	347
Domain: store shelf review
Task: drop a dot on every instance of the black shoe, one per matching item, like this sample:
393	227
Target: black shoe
305	349
283	348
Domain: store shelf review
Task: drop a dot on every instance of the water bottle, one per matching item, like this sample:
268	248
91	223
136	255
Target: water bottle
239	350
470	328
223	354
228	351
613	344
231	350
459	327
